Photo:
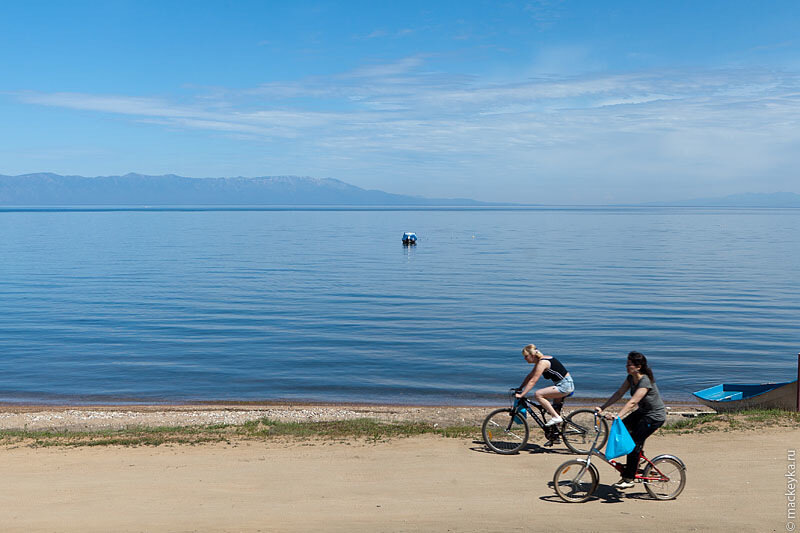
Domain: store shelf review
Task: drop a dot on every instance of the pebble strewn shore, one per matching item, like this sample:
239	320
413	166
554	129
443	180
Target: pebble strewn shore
93	418
116	417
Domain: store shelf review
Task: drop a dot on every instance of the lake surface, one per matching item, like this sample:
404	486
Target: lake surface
327	305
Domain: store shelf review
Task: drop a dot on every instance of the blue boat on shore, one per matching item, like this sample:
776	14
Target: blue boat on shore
738	396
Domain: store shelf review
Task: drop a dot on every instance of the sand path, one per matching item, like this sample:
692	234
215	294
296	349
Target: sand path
736	482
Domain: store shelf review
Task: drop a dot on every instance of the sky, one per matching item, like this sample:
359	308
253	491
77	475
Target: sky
556	102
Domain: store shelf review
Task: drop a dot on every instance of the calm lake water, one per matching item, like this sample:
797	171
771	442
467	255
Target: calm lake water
327	305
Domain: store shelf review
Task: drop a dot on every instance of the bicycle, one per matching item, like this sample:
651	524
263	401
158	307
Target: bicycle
505	430
664	476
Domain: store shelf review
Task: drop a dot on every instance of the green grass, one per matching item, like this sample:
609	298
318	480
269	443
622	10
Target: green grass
358	430
742	420
153	436
362	430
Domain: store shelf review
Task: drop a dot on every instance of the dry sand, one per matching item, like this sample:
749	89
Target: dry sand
736	482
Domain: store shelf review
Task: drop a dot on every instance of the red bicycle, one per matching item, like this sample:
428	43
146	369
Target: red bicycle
664	476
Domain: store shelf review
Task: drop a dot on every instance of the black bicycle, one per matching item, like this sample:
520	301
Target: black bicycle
506	431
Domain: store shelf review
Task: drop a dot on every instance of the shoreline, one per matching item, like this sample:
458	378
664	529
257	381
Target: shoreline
572	402
39	417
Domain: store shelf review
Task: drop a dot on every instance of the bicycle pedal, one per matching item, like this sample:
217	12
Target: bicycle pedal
550	443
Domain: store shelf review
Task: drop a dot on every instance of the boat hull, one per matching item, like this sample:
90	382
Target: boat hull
738	396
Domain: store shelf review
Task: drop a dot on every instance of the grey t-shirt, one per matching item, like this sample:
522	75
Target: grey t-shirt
651	405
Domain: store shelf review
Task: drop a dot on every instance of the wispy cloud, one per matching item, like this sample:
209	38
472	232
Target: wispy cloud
544	12
127	105
712	123
381	33
376	34
402	66
770	47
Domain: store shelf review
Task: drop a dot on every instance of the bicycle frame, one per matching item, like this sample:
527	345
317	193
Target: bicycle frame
619	466
551	432
538	418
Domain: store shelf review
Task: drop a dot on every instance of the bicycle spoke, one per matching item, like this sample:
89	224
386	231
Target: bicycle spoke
572	429
664	478
504	432
574	481
579	431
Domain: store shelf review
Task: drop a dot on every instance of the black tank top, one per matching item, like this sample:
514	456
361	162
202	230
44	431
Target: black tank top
556	372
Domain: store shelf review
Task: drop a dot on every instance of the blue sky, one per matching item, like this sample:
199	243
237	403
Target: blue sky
543	102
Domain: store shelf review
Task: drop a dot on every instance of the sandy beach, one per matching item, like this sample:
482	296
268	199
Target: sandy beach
736	482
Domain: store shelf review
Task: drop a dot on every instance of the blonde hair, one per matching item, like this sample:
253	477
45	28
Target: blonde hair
532	351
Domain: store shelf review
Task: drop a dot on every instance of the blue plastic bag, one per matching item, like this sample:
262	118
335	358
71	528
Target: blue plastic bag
522	413
619	440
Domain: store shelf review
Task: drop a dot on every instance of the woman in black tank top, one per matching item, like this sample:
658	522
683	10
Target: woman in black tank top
550	368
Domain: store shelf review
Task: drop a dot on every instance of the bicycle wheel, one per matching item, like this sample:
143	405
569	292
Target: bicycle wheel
501	435
578	431
673	475
572	486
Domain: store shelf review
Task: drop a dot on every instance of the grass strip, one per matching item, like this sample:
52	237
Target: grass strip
341	429
752	419
358	430
362	429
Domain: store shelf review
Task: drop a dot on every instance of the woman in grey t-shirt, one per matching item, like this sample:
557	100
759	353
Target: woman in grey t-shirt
645	410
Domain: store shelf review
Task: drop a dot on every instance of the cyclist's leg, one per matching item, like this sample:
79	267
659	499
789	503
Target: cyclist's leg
548	393
558	403
640	428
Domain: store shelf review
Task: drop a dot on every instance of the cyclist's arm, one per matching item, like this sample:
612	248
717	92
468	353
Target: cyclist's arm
534	375
614	397
633	403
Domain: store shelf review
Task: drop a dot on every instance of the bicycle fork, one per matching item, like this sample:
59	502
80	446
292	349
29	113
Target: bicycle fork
582	471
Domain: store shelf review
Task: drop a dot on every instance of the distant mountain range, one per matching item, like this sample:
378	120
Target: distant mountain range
47	189
775	199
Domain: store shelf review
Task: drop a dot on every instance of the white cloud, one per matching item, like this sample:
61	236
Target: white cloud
401	119
375	34
392	69
381	33
105	103
544	12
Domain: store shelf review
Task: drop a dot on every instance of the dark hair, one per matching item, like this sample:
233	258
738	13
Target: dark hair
638	359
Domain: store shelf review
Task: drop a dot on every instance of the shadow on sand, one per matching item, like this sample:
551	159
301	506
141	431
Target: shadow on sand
603	494
529	449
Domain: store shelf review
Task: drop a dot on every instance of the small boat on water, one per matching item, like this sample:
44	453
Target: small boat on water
738	396
409	238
